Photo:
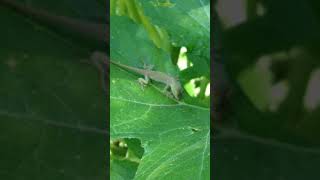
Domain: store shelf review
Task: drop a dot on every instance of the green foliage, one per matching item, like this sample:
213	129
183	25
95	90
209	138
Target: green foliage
266	50
122	169
52	107
175	135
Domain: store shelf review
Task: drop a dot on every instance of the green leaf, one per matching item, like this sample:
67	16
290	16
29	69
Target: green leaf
139	50
122	169
52	107
175	136
187	23
285	137
256	83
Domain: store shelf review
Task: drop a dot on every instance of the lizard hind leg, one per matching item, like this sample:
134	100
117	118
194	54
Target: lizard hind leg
167	92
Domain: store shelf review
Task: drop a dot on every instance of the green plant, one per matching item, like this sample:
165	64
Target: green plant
153	136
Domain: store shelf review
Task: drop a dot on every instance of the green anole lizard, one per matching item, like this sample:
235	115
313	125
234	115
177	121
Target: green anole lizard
170	81
96	31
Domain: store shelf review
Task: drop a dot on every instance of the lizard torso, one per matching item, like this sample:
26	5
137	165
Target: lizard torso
158	76
154	75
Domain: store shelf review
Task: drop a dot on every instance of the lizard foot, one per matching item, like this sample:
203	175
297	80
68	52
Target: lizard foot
143	83
167	92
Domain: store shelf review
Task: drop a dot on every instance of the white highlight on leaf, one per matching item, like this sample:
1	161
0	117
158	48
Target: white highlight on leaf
207	93
183	60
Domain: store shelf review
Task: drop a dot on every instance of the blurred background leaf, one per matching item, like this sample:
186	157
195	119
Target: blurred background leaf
270	53
52	106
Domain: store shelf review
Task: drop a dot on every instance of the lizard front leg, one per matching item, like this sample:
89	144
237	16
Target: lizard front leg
144	82
148	67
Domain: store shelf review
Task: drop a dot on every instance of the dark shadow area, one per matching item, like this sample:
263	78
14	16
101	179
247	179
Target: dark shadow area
53	107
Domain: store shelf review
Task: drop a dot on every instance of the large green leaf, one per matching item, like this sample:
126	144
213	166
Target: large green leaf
175	136
52	106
